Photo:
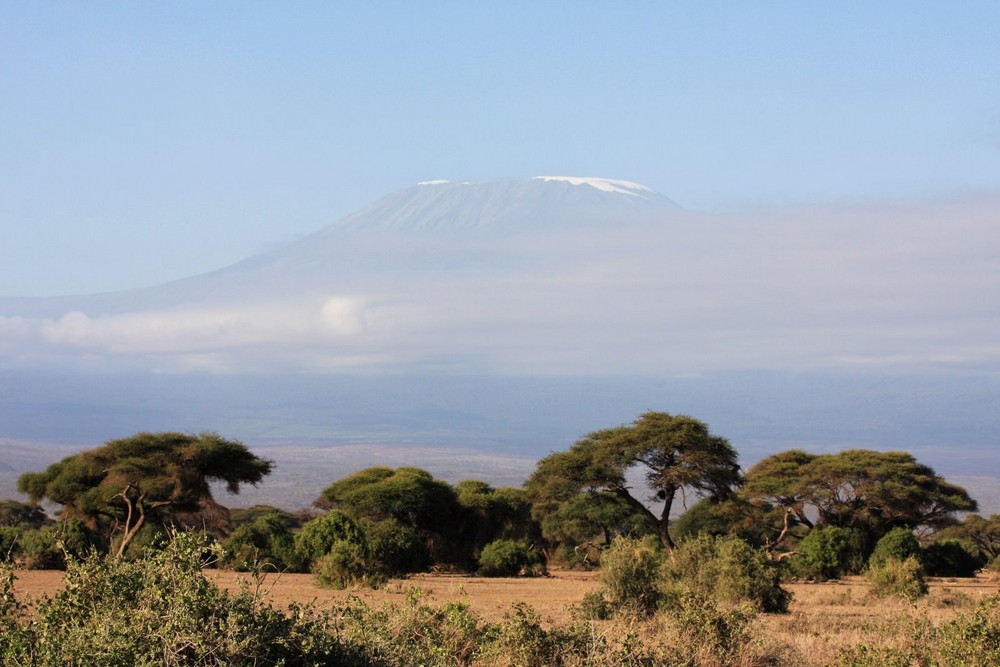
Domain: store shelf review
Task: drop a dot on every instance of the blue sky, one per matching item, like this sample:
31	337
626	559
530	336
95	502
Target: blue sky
141	142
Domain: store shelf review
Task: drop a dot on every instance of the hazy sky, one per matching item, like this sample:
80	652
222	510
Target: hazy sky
142	141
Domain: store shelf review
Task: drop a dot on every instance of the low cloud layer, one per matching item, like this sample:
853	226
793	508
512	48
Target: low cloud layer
869	285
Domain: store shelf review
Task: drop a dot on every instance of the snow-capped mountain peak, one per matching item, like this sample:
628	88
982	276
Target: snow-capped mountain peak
603	184
504	204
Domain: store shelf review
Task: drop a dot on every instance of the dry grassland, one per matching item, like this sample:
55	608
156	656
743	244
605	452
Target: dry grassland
823	617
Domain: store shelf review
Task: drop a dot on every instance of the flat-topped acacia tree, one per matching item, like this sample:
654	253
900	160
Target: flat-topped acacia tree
863	489
149	476
675	452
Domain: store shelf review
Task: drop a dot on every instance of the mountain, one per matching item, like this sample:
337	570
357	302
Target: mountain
509	317
428	226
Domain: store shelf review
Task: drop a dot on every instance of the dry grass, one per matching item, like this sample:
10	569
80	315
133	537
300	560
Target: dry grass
823	617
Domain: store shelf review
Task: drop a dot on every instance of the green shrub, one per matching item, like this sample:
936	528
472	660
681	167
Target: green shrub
595	607
829	552
521	641
573	557
317	536
411	633
48	548
951	558
394	547
972	640
161	610
724	568
898	578
713	634
265	540
898	544
631	571
507	558
345	565
10	542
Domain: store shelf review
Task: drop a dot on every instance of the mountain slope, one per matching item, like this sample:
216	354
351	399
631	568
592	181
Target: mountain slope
432	225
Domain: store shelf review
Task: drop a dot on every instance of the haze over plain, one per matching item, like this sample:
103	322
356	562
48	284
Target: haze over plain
828	278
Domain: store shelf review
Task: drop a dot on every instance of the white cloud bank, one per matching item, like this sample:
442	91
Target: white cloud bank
876	285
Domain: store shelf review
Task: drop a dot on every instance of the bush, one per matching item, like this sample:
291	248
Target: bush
346	564
394	547
48	548
951	558
595	607
898	578
898	544
161	610
972	640
265	540
711	632
829	552
631	571
10	542
725	568
507	558
317	536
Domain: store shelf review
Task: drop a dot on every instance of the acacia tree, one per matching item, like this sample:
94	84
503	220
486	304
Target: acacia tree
861	489
409	496
125	483
675	453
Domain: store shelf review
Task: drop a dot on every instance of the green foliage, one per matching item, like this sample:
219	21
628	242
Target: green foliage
863	489
160	610
10	542
266	540
254	512
48	548
344	565
631	571
521	641
410	496
596	607
718	635
15	514
595	516
394	548
903	579
724	568
972	640
674	452
898	544
490	514
507	558
978	531
830	553
149	477
318	536
951	558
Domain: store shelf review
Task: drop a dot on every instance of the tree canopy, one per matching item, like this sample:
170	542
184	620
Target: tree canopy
674	453
858	488
126	483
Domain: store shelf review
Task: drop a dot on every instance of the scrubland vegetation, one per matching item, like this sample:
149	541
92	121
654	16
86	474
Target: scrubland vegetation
716	585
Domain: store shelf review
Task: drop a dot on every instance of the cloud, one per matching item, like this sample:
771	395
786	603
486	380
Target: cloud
862	285
192	331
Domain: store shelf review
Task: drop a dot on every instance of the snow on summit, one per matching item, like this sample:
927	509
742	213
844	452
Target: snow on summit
604	184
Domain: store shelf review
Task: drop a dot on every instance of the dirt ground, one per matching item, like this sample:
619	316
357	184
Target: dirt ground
552	596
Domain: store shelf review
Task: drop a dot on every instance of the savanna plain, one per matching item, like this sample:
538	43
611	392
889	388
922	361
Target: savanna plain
826	624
